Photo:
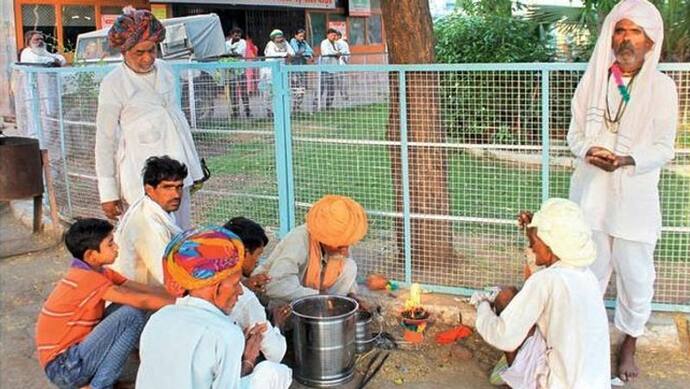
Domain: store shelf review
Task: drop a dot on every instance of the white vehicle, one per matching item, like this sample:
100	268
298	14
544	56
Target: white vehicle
186	38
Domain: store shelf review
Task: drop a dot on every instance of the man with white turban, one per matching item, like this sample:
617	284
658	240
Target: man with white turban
562	300
624	118
139	116
314	257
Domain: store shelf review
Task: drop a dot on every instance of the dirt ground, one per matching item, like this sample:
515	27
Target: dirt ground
27	279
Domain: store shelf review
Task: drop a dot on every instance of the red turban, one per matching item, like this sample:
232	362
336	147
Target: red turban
135	26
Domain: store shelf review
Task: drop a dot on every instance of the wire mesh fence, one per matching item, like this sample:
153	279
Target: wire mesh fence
443	157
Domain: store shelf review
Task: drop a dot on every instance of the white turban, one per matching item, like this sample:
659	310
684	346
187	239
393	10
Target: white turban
589	102
561	226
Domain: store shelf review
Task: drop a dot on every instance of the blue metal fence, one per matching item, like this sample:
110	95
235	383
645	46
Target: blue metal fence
288	153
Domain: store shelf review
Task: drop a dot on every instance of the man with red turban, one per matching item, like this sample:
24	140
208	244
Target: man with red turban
314	257
194	344
139	116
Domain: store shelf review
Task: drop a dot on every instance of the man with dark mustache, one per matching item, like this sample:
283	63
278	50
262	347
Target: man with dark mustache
624	118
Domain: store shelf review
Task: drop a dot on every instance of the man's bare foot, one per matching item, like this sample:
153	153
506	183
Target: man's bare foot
627	368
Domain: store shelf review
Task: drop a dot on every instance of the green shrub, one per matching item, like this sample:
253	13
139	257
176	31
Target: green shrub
491	107
483	39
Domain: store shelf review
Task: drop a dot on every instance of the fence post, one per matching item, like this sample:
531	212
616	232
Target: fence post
192	99
63	149
545	134
283	146
405	170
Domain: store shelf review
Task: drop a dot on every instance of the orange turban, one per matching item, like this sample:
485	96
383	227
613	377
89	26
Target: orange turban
335	221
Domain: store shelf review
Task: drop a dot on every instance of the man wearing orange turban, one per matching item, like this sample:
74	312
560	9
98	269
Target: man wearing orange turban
314	257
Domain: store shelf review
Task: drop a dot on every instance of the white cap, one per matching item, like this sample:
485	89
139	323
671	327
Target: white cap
561	226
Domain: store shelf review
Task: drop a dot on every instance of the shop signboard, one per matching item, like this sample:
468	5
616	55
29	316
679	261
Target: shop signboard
359	7
313	4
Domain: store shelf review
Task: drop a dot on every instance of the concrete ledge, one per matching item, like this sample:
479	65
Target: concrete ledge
664	330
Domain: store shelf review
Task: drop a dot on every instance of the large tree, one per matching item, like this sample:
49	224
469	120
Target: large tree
410	40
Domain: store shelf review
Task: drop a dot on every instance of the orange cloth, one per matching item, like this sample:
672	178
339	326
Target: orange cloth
335	221
453	334
413	336
72	310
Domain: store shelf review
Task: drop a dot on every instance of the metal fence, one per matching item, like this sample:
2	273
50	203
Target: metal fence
443	157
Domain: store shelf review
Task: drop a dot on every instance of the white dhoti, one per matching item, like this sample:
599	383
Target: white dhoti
633	263
268	375
530	368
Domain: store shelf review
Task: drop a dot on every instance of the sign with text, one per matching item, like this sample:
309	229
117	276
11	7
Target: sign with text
359	7
340	26
108	20
317	4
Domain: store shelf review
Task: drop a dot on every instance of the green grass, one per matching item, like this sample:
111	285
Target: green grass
479	187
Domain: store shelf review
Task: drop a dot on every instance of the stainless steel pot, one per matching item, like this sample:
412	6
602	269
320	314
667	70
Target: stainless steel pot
324	340
364	340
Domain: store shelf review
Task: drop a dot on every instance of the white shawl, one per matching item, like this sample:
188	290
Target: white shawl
589	102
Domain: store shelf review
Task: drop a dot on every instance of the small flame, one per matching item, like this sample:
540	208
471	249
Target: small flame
415	299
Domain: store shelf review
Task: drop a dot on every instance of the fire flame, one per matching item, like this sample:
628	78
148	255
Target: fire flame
415	299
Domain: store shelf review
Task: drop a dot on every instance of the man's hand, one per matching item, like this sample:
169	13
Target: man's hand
281	315
253	337
196	186
482	295
605	159
524	219
258	282
112	209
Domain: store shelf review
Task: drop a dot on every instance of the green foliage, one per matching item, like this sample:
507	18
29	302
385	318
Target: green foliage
476	107
462	38
675	13
502	8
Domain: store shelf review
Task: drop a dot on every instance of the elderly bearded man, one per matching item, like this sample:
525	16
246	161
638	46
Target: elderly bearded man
139	117
624	118
194	344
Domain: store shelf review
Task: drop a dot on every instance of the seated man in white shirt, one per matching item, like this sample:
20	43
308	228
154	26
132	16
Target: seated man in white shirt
149	223
35	51
248	311
563	302
193	343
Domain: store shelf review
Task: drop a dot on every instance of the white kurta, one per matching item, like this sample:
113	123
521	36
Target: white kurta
136	120
247	312
46	96
238	48
287	266
193	344
29	56
625	203
142	236
329	50
565	304
344	50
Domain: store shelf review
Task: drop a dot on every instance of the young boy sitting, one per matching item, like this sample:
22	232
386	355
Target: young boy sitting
562	300
79	342
248	311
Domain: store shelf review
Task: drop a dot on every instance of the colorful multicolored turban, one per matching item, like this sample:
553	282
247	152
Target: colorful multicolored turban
135	26
201	257
335	221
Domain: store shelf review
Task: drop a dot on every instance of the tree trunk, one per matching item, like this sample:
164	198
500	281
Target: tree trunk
410	40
